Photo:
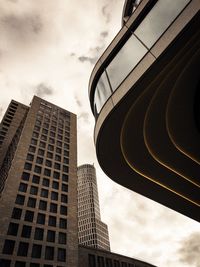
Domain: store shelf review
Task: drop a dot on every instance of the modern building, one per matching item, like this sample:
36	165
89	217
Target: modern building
90	257
38	185
92	232
145	93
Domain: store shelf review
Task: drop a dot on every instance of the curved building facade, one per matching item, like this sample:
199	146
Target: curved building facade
92	232
144	93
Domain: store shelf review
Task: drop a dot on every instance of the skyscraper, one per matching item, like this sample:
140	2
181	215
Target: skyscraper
92	232
38	170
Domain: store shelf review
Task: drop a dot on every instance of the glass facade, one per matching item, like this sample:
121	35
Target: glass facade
162	14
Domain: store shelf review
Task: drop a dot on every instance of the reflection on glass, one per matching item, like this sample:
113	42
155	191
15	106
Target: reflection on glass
124	62
102	92
158	19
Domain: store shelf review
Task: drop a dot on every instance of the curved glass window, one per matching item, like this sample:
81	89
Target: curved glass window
124	62
149	31
158	20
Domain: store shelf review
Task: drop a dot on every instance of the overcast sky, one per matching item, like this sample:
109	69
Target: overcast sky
48	48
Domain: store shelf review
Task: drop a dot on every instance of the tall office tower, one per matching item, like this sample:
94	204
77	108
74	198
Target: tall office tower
92	231
38	185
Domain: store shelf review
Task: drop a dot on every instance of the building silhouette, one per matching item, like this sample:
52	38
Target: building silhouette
145	94
38	175
92	232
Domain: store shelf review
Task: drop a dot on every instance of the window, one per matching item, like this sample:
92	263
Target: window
41	218
52	134
42	205
36	179
62	238
124	264
49	253
64	187
45	182
48	163
66	160
58	150
20	200
51	236
66	153
52	221
56	175
34	265
64	198
35	134
27	166
44	131
57	166
59	137
54	195
63	223
25	176
58	157
30	157
37	169
8	247
109	263
55	185
37	128
59	143
53	208
22	187
44	193
39	160
65	168
53	128
42	144
116	263
65	177
39	233
32	149
16	214
50	147
29	216
63	210
22	249
33	190
100	261
61	254
33	141
43	137
20	264
51	140
36	251
5	263
26	231
91	260
31	202
13	229
47	172
49	155
40	152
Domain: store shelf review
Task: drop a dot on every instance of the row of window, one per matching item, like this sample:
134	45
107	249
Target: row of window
7	263
52	221
45	181
38	234
107	262
50	149
36	251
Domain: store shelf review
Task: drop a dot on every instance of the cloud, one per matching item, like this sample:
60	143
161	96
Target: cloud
85	116
42	90
21	27
78	102
83	59
104	34
105	13
190	250
1	112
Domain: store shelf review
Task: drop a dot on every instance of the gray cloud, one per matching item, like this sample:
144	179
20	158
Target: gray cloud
42	90
105	13
92	60
78	102
104	34
190	250
84	116
21	28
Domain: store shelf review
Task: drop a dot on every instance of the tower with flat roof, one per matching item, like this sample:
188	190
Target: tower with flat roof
38	186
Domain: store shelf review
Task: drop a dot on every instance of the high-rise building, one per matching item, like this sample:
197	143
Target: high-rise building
38	185
145	94
92	232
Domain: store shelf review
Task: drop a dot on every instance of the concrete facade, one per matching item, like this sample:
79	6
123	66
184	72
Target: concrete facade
38	204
